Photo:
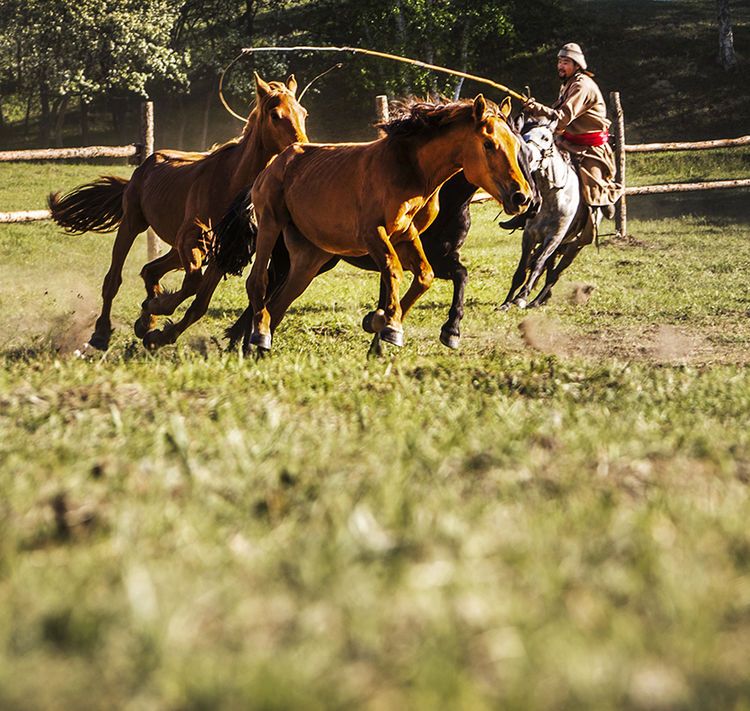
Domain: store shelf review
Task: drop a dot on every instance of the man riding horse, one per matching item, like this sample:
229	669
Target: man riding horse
582	130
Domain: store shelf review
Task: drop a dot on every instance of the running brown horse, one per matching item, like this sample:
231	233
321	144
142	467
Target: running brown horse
172	191
376	198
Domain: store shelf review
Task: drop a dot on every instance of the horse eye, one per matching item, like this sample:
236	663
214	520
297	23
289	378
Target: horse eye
489	146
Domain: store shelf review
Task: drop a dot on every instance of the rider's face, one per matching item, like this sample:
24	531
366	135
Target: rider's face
566	67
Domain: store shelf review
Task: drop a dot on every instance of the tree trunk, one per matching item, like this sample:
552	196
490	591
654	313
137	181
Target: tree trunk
251	9
206	115
45	117
27	117
84	122
727	58
183	121
61	109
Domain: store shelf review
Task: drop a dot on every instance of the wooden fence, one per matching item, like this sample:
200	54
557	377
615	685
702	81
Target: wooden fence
137	152
622	148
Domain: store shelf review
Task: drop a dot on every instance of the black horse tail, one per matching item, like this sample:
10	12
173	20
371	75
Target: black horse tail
233	244
93	207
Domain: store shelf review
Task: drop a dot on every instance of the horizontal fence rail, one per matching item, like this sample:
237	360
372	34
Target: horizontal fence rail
138	152
687	146
25	216
85	152
687	187
622	148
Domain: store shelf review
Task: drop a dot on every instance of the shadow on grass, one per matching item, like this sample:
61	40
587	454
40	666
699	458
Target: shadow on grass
720	207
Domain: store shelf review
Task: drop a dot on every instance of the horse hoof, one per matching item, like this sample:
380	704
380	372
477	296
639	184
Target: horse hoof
374	322
393	336
450	340
261	340
505	306
101	343
521	303
152	340
142	326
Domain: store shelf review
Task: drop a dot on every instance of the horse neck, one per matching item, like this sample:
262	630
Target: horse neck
440	157
250	157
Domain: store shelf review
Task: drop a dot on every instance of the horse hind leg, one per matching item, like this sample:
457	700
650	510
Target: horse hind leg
132	224
306	261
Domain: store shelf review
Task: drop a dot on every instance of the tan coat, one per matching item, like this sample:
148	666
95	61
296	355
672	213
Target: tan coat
580	109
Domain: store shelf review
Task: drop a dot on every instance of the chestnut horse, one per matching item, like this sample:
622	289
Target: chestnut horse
376	198
171	192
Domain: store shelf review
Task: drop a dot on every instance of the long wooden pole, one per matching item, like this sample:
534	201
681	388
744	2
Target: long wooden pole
621	210
395	57
153	244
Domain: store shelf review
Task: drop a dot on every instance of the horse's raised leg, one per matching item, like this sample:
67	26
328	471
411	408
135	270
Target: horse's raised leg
132	224
171	332
381	250
412	257
152	273
192	256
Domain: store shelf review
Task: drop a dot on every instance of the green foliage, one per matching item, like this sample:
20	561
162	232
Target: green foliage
92	47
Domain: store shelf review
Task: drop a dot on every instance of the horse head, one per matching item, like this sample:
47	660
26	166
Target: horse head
544	158
280	118
491	157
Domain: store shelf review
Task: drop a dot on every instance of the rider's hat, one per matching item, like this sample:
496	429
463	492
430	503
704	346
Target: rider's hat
574	52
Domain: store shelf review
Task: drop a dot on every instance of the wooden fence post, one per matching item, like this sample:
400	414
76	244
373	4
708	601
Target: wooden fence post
381	110
153	243
621	210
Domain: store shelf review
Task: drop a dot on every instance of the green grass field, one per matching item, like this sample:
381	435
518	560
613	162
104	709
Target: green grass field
553	517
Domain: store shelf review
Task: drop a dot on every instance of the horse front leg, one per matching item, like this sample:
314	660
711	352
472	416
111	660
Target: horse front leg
450	332
549	248
519	276
568	253
391	272
197	309
192	256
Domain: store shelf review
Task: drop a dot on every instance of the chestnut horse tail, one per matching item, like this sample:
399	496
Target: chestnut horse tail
93	207
233	244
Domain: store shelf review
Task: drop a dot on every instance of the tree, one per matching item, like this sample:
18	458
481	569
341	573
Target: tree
89	49
727	58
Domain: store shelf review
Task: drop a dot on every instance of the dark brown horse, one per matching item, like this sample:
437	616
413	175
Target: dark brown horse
376	198
171	192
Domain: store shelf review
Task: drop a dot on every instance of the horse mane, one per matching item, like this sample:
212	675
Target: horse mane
415	116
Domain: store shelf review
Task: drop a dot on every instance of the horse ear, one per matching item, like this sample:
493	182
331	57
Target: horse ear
261	87
506	106
291	84
480	107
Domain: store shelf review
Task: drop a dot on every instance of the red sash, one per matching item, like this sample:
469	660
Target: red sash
597	138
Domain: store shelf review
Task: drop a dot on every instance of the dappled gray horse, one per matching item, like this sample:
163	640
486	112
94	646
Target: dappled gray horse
560	229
